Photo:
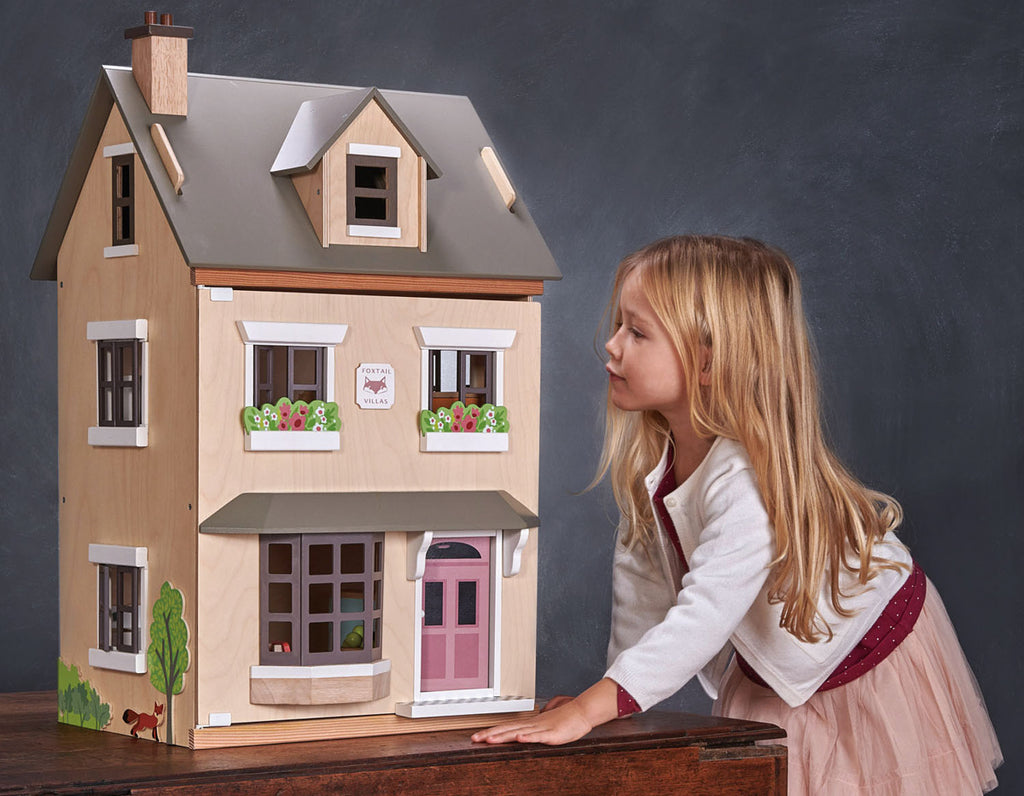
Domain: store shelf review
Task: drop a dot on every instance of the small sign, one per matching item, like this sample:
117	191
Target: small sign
375	386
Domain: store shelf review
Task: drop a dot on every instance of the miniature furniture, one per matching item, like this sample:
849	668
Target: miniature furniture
649	753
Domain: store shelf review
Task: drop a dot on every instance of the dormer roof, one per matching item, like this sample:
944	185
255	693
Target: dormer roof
319	122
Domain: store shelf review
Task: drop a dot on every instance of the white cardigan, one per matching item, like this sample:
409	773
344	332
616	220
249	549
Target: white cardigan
665	629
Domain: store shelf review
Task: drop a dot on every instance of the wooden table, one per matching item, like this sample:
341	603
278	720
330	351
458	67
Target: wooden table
654	753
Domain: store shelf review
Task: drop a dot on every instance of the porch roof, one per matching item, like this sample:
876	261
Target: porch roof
339	512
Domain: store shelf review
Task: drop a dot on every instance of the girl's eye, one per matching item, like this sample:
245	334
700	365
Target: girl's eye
635	332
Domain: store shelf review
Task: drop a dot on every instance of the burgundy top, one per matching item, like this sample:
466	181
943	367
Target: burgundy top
894	624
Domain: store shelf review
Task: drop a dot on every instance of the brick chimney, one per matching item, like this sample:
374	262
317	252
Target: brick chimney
160	63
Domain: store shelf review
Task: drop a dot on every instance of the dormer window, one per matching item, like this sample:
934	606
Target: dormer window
372	190
351	159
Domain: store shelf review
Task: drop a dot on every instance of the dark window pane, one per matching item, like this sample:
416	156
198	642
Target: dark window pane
280	598
279	559
375	642
371	177
378	556
321	560
352	597
321	598
320	637
280	637
476	370
352	559
371	208
304	366
452	550
376	595
467	602
124	181
433	603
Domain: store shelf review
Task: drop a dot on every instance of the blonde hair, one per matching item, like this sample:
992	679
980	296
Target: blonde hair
739	299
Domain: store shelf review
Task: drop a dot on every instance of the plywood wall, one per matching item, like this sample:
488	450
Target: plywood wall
379	452
126	496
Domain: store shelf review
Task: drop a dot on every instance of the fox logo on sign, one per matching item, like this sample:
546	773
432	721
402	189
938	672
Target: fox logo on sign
375	386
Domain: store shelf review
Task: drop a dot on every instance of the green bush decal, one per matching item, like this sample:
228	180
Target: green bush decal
486	419
286	415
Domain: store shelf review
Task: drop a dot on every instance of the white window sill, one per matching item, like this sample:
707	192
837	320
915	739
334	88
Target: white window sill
119	436
293	441
336	684
127	250
461	441
134	662
316	672
368	231
463	707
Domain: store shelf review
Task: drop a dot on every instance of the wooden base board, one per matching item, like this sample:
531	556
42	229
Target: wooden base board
332	729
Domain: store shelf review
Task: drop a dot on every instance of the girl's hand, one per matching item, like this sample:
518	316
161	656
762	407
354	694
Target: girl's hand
562	720
555	702
557	725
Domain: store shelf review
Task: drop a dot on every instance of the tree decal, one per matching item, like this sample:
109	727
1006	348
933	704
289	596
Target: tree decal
168	649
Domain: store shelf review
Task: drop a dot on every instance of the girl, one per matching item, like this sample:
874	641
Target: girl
749	557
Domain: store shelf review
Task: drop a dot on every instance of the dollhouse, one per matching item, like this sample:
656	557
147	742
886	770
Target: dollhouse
298	409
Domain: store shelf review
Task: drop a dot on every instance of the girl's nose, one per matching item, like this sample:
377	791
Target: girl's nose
612	346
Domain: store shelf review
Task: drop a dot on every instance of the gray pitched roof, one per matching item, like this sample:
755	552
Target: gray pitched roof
233	213
319	123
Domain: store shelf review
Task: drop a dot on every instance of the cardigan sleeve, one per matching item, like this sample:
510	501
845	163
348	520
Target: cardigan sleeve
727	570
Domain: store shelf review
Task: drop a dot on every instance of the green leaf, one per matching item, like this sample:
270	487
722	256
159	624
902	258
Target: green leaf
252	419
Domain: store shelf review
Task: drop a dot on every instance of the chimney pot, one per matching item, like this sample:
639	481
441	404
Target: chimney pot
166	19
150	17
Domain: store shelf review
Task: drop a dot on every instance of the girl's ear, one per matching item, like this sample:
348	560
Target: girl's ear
705	366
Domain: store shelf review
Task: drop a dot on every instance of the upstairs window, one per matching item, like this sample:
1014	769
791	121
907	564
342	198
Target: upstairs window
292	372
121	411
119	380
466	376
123	199
372	185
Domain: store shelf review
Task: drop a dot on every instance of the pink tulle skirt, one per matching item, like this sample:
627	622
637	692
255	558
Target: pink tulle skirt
915	724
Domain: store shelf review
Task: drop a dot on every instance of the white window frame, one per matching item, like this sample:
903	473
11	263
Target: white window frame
122	436
128	249
325	335
123	556
458	338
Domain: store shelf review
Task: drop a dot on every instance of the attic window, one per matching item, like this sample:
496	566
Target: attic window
123	198
372	191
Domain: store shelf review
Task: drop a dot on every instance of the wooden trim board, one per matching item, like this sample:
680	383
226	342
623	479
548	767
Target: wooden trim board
367	283
270	732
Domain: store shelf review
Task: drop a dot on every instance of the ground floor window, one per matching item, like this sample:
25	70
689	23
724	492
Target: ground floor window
321	598
119	607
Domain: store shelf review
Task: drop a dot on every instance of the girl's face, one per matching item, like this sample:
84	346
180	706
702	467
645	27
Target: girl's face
645	371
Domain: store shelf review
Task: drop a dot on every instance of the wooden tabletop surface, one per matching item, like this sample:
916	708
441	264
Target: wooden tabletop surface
39	755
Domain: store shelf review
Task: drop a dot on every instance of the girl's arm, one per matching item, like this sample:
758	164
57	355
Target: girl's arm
569	721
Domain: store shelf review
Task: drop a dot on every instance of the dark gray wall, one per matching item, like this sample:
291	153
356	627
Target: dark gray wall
880	143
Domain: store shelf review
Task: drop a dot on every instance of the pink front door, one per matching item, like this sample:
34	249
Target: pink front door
456	614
